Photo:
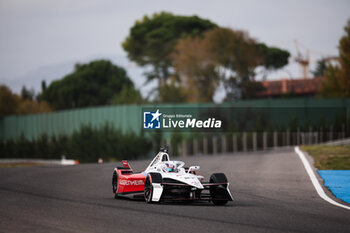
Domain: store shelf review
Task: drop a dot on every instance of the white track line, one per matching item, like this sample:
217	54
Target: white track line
314	180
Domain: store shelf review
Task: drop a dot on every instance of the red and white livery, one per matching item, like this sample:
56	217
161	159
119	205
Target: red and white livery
166	180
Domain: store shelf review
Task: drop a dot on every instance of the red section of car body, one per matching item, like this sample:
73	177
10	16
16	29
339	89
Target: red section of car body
126	164
130	182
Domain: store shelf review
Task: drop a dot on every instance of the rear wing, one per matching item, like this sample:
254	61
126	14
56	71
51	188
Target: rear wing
125	169
126	164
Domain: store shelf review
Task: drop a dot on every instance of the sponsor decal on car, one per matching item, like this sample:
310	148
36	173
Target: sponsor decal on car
131	182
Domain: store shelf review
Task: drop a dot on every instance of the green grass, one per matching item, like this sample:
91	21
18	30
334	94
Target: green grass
330	157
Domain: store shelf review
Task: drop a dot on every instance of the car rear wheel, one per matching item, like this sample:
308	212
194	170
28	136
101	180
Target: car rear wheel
115	184
218	193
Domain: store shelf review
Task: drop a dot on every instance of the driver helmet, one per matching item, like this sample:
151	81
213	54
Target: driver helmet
169	167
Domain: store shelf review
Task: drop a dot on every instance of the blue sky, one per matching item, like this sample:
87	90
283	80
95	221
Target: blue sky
43	39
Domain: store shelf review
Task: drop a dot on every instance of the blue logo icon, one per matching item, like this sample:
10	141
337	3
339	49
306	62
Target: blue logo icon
151	120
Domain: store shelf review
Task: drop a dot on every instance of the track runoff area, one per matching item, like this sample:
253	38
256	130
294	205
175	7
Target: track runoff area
272	192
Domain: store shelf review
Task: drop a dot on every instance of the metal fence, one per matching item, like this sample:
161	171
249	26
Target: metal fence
66	122
129	117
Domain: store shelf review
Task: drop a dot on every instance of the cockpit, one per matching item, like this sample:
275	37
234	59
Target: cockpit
162	163
160	157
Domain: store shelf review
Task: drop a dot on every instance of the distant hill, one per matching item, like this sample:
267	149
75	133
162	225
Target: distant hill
57	71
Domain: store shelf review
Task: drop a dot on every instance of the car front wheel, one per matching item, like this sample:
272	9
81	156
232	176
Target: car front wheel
115	184
218	193
148	192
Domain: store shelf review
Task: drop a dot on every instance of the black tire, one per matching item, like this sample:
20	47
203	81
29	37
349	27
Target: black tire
218	192
150	179
115	184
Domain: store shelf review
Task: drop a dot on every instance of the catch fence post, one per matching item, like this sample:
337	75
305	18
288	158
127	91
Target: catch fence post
215	145
298	137
223	144
315	136
275	139
244	141
264	140
255	144
205	145
234	143
184	147
179	149
195	146
310	135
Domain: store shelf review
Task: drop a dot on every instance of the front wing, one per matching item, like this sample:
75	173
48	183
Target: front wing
176	191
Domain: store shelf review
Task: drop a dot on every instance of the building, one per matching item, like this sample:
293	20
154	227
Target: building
293	87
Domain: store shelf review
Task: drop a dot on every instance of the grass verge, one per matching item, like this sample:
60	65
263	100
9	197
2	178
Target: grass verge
329	157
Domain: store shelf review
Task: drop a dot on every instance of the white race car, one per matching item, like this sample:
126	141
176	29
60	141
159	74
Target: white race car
170	180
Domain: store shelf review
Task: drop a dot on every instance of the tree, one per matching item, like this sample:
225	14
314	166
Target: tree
195	69
43	85
27	94
11	103
273	58
152	40
92	84
337	82
128	95
227	56
344	58
8	101
331	87
172	93
321	66
236	56
31	107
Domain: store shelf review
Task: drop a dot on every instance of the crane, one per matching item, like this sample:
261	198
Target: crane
303	60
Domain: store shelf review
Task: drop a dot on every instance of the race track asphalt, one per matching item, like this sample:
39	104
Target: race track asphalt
272	192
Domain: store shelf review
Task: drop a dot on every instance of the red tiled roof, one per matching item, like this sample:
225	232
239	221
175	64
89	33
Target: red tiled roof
308	86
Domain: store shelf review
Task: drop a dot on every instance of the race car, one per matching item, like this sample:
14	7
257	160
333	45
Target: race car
166	180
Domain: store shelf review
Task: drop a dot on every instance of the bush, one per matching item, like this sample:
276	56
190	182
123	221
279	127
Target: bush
85	145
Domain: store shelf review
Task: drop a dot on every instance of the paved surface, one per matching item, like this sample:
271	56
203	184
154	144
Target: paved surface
272	190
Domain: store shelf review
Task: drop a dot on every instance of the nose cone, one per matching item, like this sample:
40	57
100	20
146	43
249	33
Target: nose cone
198	184
193	181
